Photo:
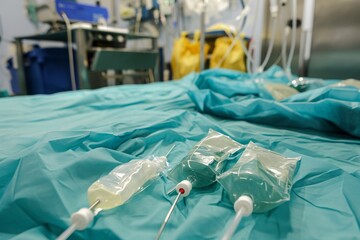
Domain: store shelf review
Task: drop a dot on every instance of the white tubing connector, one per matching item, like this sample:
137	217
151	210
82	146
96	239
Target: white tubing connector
246	204
184	187
82	218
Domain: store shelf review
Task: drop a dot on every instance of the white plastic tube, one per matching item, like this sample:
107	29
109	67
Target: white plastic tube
250	61
271	44
307	26
284	46
293	39
232	45
235	223
243	207
284	33
67	233
238	37
70	50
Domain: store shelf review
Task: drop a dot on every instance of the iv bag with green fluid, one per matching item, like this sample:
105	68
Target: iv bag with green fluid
125	181
206	160
265	176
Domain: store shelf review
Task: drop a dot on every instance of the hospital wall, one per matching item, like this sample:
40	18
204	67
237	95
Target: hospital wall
14	22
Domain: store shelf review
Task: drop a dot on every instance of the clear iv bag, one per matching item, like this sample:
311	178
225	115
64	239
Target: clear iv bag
265	176
206	160
124	181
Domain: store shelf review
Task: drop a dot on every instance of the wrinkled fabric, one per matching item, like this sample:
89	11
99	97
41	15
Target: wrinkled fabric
326	108
54	147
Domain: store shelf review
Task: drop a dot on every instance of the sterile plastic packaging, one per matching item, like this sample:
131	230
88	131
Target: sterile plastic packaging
277	91
264	176
124	181
206	160
347	82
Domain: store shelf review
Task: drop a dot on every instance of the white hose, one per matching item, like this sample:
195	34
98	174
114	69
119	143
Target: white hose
232	45
67	233
249	59
234	224
293	40
284	47
285	34
70	50
271	44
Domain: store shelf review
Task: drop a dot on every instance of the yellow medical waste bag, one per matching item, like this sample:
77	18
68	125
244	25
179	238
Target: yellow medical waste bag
186	56
236	58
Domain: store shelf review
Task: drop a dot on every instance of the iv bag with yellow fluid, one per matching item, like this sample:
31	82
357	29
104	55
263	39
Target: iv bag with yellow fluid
124	181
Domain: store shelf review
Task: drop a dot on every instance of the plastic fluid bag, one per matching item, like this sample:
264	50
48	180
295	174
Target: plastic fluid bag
124	181
263	175
206	160
186	56
276	91
236	58
348	82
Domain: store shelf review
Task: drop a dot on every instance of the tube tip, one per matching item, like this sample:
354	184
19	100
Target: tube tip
245	203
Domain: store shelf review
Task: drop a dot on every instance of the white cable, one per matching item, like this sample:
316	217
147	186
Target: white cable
293	39
70	50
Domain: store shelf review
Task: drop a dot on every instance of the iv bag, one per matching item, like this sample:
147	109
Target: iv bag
206	160
348	82
263	175
124	181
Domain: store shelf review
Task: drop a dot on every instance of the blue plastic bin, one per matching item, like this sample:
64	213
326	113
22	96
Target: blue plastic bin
46	71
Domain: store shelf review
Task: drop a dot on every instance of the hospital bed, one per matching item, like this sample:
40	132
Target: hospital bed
54	147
